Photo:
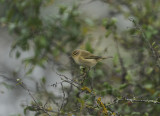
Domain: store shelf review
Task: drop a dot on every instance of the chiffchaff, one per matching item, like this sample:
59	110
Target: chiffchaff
85	58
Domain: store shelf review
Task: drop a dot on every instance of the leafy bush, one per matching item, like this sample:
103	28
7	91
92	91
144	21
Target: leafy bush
136	92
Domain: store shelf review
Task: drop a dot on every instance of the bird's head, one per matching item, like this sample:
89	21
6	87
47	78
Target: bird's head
75	53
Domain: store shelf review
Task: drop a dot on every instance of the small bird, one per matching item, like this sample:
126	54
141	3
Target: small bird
85	58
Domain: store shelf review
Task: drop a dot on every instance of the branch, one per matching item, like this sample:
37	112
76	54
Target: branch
20	83
63	97
118	100
124	70
138	27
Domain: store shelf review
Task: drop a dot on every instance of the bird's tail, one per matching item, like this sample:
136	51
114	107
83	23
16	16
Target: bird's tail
106	57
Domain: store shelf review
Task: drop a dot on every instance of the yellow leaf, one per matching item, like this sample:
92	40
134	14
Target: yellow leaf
49	108
105	111
86	89
113	114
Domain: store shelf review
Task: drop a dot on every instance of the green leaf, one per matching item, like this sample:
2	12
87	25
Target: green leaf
18	54
89	22
43	80
135	113
115	59
158	99
55	52
30	70
12	26
108	32
114	20
148	86
88	47
30	108
62	10
146	114
153	43
149	70
104	22
82	102
128	76
123	86
99	72
43	41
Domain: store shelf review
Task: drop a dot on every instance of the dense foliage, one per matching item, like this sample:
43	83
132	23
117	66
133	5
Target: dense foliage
130	87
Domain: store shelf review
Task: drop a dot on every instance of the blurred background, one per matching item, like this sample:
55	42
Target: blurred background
38	36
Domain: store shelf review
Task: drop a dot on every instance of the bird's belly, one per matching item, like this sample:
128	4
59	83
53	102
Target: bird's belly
86	62
77	61
91	62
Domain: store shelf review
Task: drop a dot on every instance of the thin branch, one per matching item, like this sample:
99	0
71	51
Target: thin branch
143	35
124	70
68	80
63	97
20	83
118	100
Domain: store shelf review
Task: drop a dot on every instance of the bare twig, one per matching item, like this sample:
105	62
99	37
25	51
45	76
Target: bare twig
70	81
124	70
20	83
67	78
63	97
118	100
46	103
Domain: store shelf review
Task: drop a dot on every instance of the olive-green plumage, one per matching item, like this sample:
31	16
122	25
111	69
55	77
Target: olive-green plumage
85	58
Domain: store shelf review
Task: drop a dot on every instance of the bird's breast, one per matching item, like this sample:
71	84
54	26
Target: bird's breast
77	60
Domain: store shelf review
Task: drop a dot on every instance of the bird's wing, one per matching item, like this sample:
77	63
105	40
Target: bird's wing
92	57
88	55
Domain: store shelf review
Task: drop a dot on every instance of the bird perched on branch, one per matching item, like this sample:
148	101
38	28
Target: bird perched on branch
85	58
